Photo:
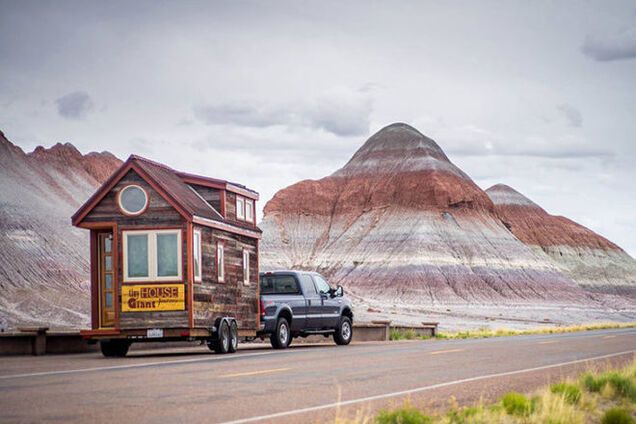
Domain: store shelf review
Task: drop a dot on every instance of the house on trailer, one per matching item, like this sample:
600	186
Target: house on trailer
170	253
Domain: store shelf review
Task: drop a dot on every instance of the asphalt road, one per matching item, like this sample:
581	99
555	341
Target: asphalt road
302	384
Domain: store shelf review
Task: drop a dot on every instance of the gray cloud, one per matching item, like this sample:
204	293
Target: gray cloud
572	114
74	105
619	46
340	111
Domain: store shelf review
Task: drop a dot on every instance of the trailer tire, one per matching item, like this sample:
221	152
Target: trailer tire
234	337
114	348
344	332
222	344
282	336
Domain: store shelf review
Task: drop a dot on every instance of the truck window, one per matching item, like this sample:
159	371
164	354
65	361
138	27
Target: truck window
323	286
279	284
308	285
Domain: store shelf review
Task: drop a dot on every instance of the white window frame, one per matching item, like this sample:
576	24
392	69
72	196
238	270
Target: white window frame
152	256
249	206
220	263
197	269
246	267
126	211
240	211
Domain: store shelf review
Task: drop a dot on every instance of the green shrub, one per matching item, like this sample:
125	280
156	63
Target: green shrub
463	416
405	415
517	404
593	384
623	385
617	416
570	392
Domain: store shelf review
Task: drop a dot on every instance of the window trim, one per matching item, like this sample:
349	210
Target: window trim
125	211
153	264
251	208
240	217
220	262
198	268
246	267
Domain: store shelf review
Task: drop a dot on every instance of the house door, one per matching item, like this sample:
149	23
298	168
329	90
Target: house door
106	277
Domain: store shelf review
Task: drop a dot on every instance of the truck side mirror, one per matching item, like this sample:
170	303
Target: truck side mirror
339	291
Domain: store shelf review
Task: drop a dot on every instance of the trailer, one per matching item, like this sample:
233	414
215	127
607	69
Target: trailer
173	257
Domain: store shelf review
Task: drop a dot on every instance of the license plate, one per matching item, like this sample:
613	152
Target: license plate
154	333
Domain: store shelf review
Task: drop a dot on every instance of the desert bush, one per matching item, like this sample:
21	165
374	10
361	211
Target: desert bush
570	392
404	415
617	416
517	404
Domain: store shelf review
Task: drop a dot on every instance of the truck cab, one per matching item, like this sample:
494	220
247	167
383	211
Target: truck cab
299	304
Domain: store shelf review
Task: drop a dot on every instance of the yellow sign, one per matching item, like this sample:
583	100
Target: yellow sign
152	297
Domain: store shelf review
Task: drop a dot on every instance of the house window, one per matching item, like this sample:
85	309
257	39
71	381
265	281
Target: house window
220	263
196	254
133	200
246	267
152	255
240	207
249	210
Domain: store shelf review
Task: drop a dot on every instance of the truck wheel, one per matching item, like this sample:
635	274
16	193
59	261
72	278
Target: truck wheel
282	336
233	337
222	344
114	348
344	332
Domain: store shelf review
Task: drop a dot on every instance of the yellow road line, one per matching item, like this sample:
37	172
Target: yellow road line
549	342
245	374
438	352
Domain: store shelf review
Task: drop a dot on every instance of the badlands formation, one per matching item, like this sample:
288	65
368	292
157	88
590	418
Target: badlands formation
44	260
412	238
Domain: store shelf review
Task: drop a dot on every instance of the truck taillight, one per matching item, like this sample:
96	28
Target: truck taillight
261	307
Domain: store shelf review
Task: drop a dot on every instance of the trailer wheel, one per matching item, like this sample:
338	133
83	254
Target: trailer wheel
222	344
233	337
344	332
282	336
114	348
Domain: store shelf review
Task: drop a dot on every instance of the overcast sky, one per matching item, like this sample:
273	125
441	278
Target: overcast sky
538	95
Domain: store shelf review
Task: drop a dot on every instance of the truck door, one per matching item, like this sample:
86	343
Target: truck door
330	306
313	302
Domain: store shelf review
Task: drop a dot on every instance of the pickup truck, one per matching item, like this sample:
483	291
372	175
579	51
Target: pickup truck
299	304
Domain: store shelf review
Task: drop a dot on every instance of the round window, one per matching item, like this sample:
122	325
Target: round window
133	200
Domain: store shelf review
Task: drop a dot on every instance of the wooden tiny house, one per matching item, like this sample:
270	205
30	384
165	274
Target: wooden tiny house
173	255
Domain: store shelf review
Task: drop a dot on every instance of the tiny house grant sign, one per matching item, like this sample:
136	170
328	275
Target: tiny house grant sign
152	297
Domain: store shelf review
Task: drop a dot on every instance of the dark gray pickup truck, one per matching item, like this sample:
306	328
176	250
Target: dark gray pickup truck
299	304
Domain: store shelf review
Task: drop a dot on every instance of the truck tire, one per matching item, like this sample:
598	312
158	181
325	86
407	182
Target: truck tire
114	348
282	336
222	343
233	337
344	332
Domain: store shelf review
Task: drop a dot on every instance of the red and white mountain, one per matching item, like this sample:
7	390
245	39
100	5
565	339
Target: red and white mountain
591	260
401	224
43	259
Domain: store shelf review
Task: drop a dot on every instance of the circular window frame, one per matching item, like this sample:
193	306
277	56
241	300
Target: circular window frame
123	209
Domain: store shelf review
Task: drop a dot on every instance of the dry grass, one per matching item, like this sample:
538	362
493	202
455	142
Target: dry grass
500	332
596	397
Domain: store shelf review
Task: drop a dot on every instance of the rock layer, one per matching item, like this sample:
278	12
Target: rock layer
401	223
44	267
591	260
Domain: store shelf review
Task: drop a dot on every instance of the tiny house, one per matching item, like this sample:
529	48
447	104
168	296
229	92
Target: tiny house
174	256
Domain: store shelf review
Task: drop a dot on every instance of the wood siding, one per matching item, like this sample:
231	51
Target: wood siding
211	195
231	297
159	215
